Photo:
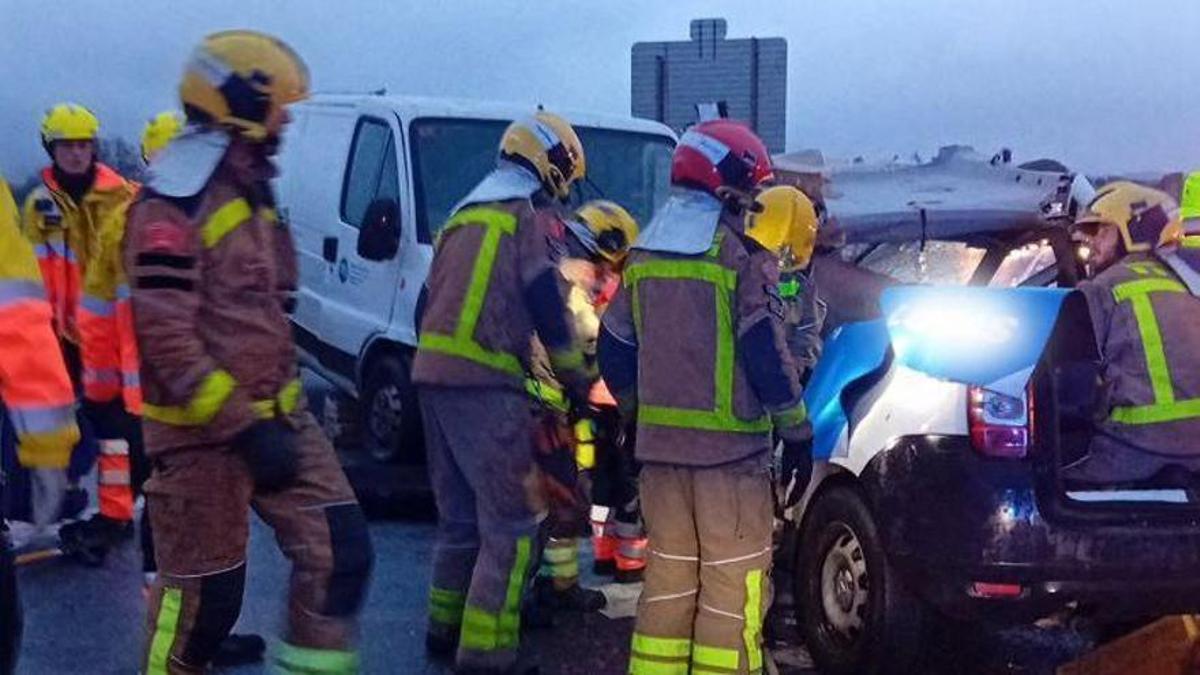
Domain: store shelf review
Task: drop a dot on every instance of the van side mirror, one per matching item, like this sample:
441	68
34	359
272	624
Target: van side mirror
379	237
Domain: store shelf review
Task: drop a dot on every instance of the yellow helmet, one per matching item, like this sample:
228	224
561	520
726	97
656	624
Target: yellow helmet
612	228
785	223
1147	218
69	122
547	145
242	79
159	131
1189	202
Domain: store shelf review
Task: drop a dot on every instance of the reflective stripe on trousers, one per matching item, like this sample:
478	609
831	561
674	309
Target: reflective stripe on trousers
115	491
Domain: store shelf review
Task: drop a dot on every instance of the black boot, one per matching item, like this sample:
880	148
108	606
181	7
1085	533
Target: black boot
573	599
629	576
89	541
439	646
239	650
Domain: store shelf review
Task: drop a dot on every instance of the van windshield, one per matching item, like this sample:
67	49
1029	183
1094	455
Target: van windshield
451	156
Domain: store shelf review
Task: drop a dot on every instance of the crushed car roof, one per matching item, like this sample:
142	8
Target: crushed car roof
956	195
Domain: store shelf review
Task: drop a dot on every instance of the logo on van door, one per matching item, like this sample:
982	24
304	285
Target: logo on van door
351	273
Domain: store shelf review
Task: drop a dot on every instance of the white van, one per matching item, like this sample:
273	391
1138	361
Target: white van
366	181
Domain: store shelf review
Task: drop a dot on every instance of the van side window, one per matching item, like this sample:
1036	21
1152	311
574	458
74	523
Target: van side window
371	173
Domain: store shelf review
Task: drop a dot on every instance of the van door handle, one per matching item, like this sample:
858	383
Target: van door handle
329	247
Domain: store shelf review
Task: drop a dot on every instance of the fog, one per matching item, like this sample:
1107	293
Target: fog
1102	85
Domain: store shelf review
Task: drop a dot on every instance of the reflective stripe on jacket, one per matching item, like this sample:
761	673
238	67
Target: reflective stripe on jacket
1147	327
492	284
714	375
209	288
34	385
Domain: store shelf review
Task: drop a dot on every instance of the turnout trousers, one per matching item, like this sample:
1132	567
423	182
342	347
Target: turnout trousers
199	502
490	503
707	583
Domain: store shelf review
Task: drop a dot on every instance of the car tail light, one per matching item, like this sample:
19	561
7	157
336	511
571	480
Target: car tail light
1001	425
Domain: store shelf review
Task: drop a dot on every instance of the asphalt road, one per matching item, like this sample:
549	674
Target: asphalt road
91	620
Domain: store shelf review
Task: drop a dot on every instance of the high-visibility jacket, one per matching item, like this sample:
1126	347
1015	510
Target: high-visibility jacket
34	384
492	285
1147	326
108	345
211	279
66	236
698	341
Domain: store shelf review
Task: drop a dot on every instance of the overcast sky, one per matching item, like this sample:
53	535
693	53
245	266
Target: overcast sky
1101	84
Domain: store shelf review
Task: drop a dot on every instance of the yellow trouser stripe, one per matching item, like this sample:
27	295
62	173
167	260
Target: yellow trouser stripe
640	666
715	657
484	631
164	631
662	647
752	631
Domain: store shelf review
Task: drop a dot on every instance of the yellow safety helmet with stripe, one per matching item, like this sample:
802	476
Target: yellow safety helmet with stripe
242	80
159	131
547	145
1146	218
784	221
612	227
69	122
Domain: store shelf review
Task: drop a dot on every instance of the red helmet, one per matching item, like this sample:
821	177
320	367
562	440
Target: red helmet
720	153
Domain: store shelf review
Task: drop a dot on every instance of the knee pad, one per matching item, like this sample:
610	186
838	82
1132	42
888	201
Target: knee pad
353	557
218	609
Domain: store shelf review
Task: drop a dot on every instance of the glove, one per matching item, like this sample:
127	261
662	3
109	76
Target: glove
270	450
49	487
795	470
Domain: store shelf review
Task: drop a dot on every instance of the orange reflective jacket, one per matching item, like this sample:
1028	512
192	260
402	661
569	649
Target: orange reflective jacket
70	239
108	347
33	379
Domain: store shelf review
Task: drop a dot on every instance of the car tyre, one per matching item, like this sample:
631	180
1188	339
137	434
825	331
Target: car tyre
856	616
391	420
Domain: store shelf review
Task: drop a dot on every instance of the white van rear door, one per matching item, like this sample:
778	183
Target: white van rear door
360	300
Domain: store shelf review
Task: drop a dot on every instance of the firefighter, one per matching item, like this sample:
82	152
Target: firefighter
784	221
706	406
1189	205
212	271
38	398
112	393
79	199
618	538
492	285
598	237
1142	296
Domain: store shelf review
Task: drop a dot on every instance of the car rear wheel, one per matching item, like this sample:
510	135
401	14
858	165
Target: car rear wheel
391	419
856	616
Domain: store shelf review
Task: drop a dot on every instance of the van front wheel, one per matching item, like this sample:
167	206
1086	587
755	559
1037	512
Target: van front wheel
391	420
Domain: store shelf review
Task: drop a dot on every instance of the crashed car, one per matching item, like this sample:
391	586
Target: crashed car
958	378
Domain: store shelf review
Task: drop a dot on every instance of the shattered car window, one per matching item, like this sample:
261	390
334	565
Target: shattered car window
938	262
1022	264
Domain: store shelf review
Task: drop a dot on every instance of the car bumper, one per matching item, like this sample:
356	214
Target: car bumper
970	535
